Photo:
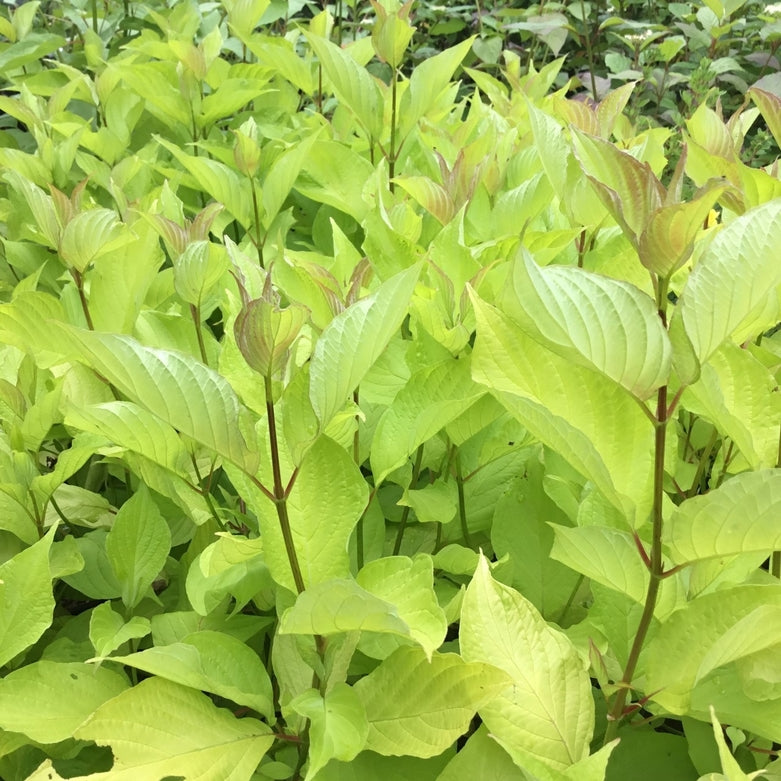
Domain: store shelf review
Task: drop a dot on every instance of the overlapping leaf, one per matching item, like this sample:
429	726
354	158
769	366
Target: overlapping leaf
176	388
599	322
418	708
587	418
547	711
729	286
740	516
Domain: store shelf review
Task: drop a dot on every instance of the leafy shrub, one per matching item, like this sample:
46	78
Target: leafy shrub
359	423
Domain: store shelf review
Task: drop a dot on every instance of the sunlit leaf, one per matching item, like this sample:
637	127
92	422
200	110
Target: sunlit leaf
418	708
547	711
596	321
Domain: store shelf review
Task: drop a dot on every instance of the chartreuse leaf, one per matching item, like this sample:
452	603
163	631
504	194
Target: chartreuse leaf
432	398
26	601
729	286
232	566
336	175
138	545
393	595
770	108
606	555
740	516
628	188
26	323
338	606
408	584
327	499
729	624
418	708
735	392
337	725
732	771
353	341
668	239
91	234
217	180
189	737
48	700
198	269
429	79
368	766
177	388
587	418
599	322
547	712
352	84
213	662
108	630
481	757
130	426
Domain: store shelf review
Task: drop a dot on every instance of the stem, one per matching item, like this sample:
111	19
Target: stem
279	497
392	158
775	559
656	569
462	502
356	457
405	512
79	280
589	52
256	208
195	311
95	16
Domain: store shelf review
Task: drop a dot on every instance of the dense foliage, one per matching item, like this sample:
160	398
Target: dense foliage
389	392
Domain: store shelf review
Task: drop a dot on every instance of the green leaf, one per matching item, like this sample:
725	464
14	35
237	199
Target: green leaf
91	234
26	600
592	422
735	392
108	630
668	239
177	388
368	766
606	555
770	107
338	606
189	737
198	269
429	79
210	661
96	580
740	516
130	426
597	321
548	711
327	499
336	175
217	180
138	546
26	323
729	624
408	585
481	757
728	287
232	566
418	708
732	770
337	725
30	50
48	700
628	188
521	527
432	398
352	84
354	340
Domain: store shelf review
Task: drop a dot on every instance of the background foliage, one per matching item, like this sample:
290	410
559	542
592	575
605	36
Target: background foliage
389	391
